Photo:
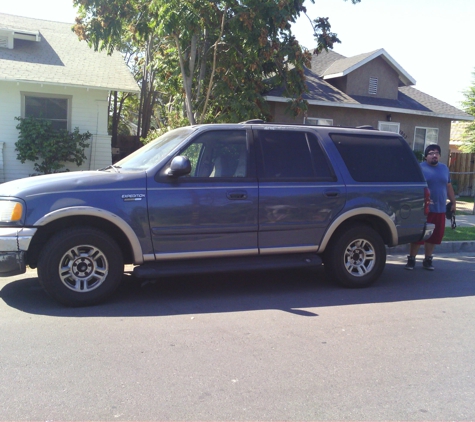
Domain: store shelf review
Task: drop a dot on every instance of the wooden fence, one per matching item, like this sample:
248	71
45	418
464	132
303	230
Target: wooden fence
462	173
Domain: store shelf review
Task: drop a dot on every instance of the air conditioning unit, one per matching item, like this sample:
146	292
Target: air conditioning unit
314	121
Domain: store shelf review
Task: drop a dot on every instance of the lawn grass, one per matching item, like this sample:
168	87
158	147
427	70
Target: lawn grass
459	234
466	199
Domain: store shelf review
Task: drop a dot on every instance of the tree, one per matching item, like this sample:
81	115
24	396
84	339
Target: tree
469	107
228	53
48	148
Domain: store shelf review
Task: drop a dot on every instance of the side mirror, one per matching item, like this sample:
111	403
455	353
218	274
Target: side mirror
180	166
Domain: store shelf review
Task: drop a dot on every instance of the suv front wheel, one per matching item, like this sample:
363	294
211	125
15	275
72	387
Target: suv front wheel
80	266
355	257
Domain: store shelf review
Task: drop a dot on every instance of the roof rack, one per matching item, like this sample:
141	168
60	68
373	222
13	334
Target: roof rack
252	121
260	121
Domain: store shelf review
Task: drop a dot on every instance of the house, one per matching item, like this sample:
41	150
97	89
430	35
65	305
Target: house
45	70
370	89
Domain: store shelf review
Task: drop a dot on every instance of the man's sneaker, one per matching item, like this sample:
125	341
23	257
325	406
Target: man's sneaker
411	262
427	264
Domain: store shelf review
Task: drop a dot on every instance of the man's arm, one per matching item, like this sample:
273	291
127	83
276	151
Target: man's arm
451	195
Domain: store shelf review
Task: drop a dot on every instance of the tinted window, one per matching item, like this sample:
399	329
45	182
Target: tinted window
291	155
378	158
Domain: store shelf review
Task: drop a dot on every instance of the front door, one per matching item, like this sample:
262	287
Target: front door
212	211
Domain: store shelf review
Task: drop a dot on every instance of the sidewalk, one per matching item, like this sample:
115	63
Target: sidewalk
448	247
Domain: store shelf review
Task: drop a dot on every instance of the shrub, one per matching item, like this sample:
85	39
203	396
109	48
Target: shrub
48	148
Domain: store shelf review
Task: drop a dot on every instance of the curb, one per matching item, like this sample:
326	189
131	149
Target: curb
444	247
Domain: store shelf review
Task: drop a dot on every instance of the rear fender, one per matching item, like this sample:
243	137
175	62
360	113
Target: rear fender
365	211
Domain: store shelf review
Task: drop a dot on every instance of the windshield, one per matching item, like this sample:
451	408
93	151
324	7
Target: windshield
152	153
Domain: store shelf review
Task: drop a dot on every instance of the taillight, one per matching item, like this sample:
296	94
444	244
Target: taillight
426	200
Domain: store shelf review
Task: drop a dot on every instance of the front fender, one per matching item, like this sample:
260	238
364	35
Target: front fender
97	212
388	220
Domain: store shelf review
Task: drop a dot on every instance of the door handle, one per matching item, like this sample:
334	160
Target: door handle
332	193
236	195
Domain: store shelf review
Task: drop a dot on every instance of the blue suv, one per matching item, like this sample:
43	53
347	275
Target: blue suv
219	197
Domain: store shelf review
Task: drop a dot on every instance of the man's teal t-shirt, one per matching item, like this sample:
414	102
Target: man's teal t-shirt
437	178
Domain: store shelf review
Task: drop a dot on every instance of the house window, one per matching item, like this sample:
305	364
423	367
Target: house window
373	86
388	127
55	108
424	136
315	121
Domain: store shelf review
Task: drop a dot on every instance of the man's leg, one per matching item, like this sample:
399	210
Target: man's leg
427	263
428	249
414	249
411	259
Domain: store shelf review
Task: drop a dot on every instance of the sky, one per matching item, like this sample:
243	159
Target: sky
432	40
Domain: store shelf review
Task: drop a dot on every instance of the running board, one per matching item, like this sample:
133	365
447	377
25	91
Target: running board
220	265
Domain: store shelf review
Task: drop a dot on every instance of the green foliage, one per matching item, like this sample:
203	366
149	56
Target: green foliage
174	121
121	129
459	234
469	107
419	155
206	61
48	148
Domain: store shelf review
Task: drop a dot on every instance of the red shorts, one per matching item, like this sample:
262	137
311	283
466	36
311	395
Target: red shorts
437	218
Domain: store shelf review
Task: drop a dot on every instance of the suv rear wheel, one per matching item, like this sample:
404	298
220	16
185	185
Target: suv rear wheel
80	266
355	257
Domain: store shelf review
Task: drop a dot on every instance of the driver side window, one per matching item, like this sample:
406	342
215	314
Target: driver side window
218	154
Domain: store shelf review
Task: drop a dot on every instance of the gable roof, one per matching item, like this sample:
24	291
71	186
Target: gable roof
59	58
322	93
345	65
318	92
322	61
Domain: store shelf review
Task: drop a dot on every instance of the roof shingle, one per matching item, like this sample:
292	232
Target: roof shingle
60	58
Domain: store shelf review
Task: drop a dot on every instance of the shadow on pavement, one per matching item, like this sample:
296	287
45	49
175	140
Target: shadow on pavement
289	291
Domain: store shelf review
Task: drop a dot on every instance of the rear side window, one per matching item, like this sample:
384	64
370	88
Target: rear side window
378	158
292	155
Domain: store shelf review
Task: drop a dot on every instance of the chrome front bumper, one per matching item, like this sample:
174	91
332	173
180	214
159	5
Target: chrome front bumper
14	243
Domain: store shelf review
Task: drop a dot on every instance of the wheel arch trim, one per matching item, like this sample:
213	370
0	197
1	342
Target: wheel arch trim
387	219
100	213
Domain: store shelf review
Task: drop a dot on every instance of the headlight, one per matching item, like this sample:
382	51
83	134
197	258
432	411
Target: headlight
10	211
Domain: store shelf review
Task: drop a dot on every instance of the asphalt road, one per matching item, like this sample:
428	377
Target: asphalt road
268	346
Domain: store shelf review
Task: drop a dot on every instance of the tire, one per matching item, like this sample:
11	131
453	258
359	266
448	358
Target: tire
80	266
355	257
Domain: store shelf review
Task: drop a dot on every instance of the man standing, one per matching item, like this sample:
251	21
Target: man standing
438	179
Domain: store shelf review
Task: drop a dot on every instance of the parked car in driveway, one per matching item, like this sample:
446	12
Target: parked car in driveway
218	197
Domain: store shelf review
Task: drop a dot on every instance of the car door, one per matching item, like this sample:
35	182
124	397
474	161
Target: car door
213	210
299	193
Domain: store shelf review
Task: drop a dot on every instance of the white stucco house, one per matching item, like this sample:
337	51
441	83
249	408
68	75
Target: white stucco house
45	69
